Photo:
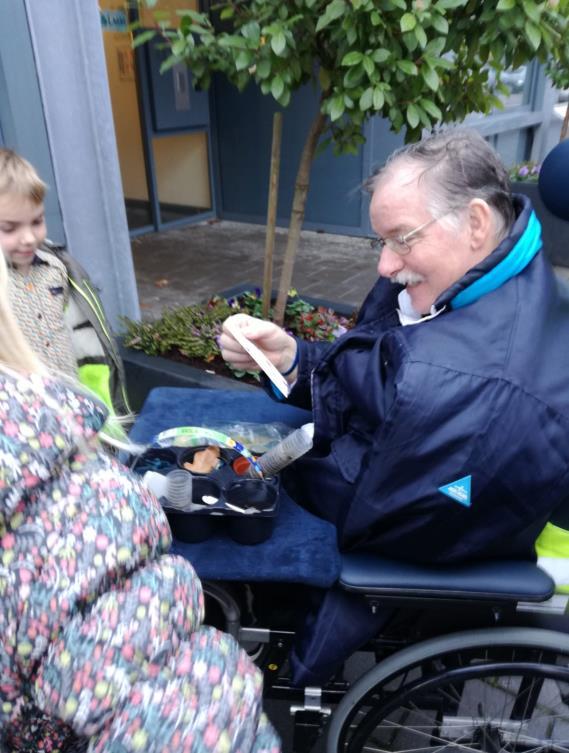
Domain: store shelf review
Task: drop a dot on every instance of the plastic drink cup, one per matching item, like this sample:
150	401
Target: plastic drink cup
179	489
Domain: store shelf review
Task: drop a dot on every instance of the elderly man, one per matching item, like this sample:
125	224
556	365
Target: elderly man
442	418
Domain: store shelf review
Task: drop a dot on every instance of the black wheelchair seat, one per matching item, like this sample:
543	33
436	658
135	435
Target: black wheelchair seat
493	581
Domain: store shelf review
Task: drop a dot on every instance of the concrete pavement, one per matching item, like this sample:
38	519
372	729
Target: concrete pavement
188	265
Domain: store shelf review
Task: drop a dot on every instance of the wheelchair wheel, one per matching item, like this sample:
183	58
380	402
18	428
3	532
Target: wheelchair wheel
496	690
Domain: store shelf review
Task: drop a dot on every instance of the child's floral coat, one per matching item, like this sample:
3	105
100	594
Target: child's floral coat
100	628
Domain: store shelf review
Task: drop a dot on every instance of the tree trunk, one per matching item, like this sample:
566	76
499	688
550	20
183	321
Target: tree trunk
272	212
297	213
565	126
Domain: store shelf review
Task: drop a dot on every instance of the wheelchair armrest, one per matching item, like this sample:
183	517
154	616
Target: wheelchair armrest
493	581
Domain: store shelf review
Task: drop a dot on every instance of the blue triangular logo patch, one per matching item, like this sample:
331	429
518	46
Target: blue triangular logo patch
458	490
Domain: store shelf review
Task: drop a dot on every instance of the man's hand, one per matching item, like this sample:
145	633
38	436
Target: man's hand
277	346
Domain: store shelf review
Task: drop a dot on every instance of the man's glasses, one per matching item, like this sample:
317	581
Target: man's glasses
400	243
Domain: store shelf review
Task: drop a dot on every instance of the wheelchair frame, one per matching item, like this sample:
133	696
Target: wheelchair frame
491	633
514	641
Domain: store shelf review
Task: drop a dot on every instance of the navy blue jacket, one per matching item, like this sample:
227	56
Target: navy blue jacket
448	439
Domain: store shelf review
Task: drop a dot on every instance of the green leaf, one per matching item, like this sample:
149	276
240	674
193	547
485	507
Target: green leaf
440	24
408	67
410	41
366	99
334	10
413	116
430	77
378	99
431	108
277	87
380	55
421	36
353	76
442	63
243	60
226	13
284	99
278	43
369	66
435	46
449	4
408	22
178	47
425	119
251	31
506	4
532	10
264	68
170	62
352	58
337	107
145	36
533	34
230	40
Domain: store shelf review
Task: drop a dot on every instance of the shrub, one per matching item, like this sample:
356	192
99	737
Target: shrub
192	331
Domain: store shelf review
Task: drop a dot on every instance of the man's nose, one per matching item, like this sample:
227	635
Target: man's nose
389	263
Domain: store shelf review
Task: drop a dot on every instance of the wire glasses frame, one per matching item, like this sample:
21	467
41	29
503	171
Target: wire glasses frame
400	243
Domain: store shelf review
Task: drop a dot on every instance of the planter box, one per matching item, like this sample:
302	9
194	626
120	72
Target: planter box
555	231
144	372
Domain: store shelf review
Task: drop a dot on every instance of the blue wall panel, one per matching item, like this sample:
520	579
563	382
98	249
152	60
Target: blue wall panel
243	130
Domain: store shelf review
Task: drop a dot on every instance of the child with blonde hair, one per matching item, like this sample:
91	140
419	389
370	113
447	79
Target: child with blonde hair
101	642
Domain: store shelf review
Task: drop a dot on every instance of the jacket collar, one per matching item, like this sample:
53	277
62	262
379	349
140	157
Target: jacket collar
507	260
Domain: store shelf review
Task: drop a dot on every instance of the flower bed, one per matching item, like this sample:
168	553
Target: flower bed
188	334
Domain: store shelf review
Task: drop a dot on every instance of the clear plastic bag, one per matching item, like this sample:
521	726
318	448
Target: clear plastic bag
257	437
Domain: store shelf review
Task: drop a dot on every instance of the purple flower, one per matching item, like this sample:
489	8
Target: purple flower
524	170
535	170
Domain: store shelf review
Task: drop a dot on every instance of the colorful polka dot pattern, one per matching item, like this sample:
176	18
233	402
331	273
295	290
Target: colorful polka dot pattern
101	643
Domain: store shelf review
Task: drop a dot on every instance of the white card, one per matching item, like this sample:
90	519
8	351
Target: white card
261	359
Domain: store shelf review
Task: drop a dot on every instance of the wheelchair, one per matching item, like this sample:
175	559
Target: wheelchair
474	658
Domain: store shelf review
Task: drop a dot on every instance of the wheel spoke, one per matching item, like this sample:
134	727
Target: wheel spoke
513	706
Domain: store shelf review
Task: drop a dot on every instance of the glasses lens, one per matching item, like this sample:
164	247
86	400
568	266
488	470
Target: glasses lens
397	245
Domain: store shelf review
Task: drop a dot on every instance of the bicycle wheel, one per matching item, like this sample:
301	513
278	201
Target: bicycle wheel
501	690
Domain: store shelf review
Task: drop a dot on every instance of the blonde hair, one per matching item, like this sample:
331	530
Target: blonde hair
19	176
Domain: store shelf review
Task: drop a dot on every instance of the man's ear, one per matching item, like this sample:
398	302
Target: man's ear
481	225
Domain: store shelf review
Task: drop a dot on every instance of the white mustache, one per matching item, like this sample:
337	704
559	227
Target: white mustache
406	278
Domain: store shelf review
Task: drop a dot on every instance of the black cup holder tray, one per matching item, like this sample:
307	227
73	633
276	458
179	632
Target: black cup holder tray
246	507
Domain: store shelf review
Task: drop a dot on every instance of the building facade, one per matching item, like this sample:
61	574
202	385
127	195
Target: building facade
126	150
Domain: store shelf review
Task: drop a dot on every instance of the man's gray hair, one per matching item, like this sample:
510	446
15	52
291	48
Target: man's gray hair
458	166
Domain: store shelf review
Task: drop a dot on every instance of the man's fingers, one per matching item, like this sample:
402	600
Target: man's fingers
249	326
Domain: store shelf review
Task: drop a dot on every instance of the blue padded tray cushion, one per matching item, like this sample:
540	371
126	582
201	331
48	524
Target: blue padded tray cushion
302	549
498	580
